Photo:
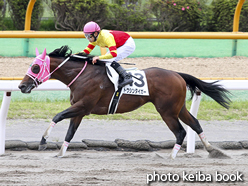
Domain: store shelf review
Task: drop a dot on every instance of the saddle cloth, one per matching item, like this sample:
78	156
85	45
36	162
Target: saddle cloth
138	87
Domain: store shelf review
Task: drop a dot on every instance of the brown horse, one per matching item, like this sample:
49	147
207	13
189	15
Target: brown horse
92	91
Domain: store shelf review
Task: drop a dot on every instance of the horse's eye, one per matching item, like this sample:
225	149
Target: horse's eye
35	69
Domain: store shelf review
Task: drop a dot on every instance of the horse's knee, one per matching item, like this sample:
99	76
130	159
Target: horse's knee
58	117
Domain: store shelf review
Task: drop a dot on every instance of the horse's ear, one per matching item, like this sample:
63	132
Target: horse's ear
43	55
37	52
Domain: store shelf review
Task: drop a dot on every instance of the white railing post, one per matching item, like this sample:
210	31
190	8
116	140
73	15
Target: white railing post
3	116
190	133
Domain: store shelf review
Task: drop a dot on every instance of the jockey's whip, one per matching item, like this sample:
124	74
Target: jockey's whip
127	63
136	77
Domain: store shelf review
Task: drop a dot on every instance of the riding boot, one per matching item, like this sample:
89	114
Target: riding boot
127	77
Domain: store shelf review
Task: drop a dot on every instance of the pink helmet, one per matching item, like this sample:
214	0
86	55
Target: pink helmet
91	27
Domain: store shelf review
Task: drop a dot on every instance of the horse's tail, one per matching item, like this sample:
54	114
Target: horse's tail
213	90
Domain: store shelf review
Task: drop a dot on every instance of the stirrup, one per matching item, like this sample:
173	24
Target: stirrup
125	82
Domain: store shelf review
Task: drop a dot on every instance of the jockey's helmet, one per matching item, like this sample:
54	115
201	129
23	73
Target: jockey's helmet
91	27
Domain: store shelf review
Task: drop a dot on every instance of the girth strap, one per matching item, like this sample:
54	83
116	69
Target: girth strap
115	101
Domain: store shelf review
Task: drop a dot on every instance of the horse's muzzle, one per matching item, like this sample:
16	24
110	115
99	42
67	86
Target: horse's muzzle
26	88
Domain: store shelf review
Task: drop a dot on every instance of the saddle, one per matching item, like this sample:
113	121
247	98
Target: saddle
139	86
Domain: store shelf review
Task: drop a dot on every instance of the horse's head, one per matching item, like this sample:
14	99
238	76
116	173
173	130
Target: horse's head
38	72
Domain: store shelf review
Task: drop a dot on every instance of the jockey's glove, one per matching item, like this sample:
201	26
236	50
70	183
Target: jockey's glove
80	54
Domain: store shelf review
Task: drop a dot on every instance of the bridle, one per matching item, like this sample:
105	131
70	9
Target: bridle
41	76
44	73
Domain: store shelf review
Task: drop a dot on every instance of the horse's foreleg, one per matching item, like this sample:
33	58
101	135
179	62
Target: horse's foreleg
74	123
68	113
43	144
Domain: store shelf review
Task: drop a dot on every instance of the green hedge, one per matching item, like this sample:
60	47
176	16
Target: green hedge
72	15
135	15
223	14
1	15
18	12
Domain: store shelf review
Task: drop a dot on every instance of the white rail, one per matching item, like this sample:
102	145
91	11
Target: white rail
9	86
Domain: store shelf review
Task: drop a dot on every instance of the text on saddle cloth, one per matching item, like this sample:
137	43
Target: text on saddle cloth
139	85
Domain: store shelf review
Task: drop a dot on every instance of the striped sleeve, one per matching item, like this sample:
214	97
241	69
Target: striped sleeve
108	41
89	48
113	53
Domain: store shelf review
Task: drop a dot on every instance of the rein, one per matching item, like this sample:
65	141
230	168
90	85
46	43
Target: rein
78	74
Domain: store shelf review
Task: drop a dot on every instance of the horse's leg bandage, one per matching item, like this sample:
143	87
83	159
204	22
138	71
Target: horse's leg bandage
204	140
63	149
175	150
49	130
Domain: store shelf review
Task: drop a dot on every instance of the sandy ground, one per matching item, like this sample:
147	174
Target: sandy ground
122	169
200	67
90	167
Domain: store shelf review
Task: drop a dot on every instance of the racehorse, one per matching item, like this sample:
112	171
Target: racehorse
91	92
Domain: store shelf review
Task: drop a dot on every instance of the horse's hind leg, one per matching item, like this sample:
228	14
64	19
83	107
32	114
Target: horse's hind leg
191	121
178	130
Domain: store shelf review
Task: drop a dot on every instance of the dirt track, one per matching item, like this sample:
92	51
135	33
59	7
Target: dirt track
120	168
199	67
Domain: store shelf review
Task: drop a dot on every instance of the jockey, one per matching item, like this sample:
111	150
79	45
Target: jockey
119	43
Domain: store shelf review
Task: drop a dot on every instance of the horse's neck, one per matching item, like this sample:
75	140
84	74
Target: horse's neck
66	73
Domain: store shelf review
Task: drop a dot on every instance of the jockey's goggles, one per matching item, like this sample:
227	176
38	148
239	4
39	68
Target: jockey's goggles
88	36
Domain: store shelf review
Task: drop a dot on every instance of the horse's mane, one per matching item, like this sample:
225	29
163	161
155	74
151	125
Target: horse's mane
65	52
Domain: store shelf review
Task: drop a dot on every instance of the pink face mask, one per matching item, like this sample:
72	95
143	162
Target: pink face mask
39	70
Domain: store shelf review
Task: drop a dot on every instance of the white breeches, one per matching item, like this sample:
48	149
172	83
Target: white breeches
123	51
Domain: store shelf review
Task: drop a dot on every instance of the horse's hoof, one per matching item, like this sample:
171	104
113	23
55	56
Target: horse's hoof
42	147
58	156
172	157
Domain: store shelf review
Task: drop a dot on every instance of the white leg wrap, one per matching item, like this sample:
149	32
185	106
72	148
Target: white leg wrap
63	149
175	150
49	130
204	140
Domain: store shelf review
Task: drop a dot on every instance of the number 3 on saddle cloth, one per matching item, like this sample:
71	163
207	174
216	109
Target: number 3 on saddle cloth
138	87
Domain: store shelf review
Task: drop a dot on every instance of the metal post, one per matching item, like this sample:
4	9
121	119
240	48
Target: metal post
26	47
236	25
190	133
29	11
234	47
3	117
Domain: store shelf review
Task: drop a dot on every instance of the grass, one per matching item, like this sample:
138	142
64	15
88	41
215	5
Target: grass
209	110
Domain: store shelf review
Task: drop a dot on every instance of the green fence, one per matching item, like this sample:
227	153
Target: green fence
144	47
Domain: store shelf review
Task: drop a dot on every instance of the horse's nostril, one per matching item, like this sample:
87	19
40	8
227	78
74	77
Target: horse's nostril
21	86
